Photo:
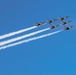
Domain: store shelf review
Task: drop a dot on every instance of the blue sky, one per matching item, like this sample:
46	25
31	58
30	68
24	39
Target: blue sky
54	55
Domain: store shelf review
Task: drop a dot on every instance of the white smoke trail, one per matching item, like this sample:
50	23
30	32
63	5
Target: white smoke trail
28	40
22	37
16	32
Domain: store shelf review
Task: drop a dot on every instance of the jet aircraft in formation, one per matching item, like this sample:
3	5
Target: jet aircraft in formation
50	21
53	20
63	23
39	24
62	18
52	26
68	28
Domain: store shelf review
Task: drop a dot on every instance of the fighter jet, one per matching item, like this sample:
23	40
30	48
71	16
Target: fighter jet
50	21
62	18
63	23
52	26
68	28
39	24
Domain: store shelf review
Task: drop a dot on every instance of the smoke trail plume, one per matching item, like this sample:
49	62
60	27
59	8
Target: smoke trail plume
22	37
28	40
16	32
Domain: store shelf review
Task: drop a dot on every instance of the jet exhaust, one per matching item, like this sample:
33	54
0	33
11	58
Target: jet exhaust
22	37
28	40
16	32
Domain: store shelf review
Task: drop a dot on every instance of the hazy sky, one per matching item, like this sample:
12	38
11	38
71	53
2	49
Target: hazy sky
54	55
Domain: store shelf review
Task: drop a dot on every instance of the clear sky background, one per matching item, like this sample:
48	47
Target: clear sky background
54	55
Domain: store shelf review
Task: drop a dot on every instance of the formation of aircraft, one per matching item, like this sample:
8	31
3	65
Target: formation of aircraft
61	19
